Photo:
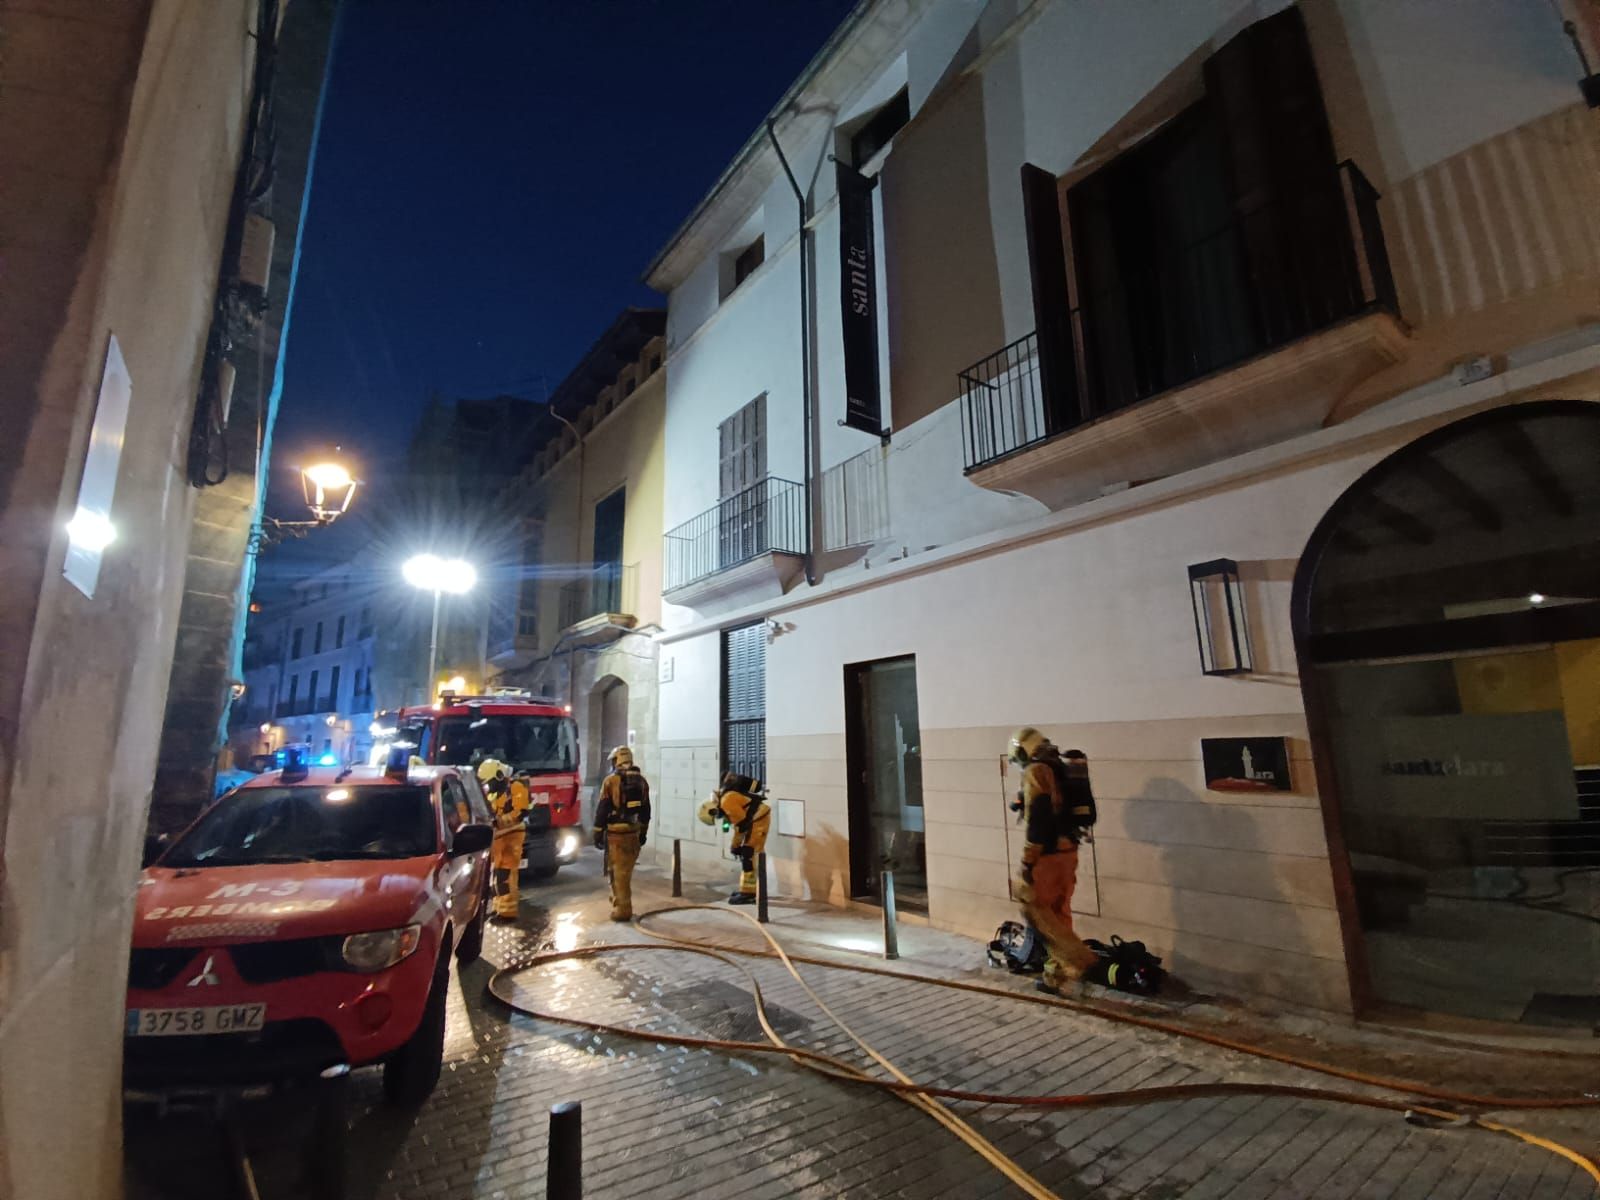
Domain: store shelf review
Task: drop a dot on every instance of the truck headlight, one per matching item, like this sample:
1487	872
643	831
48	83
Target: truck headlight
382	948
567	844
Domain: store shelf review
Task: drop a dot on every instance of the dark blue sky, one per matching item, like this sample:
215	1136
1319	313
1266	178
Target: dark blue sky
492	179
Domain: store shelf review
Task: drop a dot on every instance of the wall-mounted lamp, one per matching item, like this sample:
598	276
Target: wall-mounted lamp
328	488
1220	626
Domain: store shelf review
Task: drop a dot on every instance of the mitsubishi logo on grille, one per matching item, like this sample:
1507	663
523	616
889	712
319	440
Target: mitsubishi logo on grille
207	976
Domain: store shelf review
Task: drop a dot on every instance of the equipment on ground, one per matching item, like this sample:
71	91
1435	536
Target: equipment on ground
1126	966
1018	948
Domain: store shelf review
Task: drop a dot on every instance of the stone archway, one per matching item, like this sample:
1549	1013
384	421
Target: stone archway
1447	622
608	718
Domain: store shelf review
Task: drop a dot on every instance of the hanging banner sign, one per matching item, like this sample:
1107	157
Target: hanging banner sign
858	267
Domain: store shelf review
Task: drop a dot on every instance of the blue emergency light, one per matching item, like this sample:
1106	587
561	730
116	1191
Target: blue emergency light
328	760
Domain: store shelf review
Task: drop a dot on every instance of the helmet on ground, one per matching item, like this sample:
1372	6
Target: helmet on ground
491	769
622	756
1026	743
708	813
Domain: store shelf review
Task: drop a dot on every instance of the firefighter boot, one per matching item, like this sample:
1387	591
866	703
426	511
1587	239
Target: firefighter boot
747	877
622	848
509	898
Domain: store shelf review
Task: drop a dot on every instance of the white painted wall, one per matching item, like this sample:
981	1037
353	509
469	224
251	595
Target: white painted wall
1441	76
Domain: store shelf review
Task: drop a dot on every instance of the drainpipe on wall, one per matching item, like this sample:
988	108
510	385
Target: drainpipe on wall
805	349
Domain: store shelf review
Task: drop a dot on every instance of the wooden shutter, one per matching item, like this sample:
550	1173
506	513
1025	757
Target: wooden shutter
1282	174
744	699
1052	316
742	448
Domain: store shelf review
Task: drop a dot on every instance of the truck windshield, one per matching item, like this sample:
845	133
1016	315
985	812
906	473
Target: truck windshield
309	824
530	744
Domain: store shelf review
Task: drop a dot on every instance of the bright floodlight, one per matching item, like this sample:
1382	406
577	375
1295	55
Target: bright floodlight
434	574
90	530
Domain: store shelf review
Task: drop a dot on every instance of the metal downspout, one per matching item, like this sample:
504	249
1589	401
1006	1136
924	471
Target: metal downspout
805	350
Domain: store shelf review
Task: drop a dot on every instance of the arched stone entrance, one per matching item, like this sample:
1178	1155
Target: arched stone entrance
608	709
1447	622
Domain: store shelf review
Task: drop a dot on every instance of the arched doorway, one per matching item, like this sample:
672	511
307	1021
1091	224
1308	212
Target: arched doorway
608	706
1447	620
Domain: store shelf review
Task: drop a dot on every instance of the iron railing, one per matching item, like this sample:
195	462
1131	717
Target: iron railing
1286	269
768	517
606	588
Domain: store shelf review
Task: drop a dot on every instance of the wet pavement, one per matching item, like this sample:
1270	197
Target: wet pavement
667	1121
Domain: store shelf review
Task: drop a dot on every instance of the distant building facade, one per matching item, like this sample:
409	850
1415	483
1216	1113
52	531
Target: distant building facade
309	670
576	619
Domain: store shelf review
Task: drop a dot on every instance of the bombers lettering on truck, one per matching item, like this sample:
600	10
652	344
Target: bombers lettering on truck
247	908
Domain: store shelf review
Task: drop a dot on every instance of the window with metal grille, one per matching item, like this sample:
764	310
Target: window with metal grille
338	635
744	700
333	690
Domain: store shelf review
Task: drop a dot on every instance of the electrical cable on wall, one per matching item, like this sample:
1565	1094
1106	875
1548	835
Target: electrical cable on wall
235	310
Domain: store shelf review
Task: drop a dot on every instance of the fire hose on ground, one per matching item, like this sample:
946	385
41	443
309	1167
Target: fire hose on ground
1403	1096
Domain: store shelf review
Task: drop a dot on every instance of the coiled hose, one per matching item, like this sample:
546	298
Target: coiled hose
928	1099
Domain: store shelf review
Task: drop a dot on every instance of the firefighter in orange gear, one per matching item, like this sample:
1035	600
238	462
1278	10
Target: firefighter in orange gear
621	824
509	801
738	804
1059	810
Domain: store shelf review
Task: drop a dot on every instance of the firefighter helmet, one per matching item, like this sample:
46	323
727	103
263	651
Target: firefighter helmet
622	756
1026	744
708	813
490	770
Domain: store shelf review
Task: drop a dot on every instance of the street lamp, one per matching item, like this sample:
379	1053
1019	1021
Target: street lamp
328	488
438	575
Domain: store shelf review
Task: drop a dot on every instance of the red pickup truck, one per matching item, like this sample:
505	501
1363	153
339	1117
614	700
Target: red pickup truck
304	923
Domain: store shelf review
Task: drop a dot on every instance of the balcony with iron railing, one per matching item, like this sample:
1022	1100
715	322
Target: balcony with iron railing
753	539
606	590
1242	337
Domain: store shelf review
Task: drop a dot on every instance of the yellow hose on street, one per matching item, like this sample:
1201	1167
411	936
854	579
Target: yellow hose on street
927	1099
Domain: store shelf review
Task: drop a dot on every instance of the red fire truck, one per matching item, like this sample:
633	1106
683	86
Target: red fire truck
533	735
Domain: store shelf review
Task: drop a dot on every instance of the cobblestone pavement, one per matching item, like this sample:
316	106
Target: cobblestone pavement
668	1122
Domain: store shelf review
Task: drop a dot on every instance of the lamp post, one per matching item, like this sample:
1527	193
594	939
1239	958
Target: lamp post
438	575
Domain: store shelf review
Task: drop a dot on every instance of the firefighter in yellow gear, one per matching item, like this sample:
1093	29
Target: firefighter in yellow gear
509	801
738	804
621	825
1058	808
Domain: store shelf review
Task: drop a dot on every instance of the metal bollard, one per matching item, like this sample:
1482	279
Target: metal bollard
677	868
761	887
891	940
564	1175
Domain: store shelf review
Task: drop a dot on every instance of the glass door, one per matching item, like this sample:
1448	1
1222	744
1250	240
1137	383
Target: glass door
884	754
1470	798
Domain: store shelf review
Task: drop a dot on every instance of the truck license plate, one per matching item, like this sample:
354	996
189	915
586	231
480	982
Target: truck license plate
169	1022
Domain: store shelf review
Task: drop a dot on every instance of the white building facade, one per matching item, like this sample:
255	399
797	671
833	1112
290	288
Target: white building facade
1204	333
309	670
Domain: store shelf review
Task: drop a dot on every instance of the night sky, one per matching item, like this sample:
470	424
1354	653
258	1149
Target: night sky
492	179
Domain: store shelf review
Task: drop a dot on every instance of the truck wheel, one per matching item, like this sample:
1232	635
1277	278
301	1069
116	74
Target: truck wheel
470	947
412	1071
542	873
